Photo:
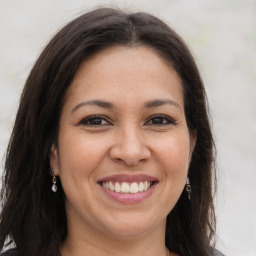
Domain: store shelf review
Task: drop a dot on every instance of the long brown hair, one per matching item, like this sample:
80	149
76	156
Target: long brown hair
33	218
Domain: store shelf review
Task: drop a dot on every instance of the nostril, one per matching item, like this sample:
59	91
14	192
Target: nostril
118	160
129	153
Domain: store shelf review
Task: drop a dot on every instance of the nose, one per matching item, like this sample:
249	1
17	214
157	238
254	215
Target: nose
130	147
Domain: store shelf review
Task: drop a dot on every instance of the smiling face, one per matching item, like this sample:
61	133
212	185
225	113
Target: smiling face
123	146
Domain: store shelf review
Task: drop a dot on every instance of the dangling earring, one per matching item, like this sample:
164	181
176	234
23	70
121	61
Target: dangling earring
188	187
54	181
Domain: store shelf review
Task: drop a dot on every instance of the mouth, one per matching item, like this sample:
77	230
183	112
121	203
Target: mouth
128	188
125	187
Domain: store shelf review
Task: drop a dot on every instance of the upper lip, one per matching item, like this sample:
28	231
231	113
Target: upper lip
128	178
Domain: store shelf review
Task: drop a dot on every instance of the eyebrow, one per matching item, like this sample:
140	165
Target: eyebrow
161	102
99	103
109	105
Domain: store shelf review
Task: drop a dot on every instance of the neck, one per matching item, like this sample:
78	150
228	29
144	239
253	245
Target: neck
123	249
89	242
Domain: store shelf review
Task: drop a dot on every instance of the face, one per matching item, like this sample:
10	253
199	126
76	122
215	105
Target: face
124	147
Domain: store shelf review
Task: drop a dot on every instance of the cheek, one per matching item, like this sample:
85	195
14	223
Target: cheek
79	156
173	154
175	150
173	159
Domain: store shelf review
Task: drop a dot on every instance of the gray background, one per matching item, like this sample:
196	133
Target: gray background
222	37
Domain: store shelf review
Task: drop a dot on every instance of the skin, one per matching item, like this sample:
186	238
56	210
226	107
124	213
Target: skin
127	139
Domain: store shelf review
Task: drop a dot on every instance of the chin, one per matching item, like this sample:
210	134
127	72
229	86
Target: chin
132	226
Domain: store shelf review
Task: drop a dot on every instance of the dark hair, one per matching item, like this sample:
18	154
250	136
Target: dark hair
33	218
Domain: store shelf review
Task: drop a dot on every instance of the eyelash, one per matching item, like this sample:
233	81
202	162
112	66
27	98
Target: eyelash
91	118
167	120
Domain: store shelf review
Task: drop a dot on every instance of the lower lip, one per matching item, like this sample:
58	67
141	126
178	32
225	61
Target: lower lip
129	198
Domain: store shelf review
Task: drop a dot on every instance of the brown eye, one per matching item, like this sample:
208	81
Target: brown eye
160	120
94	120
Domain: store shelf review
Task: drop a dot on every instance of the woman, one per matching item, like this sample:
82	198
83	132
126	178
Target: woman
111	151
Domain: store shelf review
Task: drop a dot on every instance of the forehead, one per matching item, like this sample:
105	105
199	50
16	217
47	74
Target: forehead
136	72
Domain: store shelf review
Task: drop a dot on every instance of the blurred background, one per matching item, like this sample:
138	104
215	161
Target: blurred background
222	36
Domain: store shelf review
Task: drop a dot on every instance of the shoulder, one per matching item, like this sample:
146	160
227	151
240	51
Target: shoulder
11	252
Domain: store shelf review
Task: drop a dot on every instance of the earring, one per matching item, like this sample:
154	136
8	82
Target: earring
54	181
188	187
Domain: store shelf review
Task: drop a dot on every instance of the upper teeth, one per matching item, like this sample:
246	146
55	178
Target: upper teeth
125	187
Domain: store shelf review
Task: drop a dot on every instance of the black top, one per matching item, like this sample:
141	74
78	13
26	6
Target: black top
14	252
11	252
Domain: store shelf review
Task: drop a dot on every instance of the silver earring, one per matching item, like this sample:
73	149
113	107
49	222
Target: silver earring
54	181
188	188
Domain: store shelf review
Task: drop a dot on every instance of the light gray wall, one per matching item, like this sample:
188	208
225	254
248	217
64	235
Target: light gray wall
222	36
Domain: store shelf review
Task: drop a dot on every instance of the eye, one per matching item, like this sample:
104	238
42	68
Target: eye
96	120
160	120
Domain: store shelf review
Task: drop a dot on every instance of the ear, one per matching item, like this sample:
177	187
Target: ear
54	159
193	139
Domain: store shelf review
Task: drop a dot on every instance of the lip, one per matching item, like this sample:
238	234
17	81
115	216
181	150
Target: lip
128	198
128	178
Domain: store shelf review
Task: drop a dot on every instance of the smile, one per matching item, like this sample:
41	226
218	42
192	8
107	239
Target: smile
125	187
128	189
